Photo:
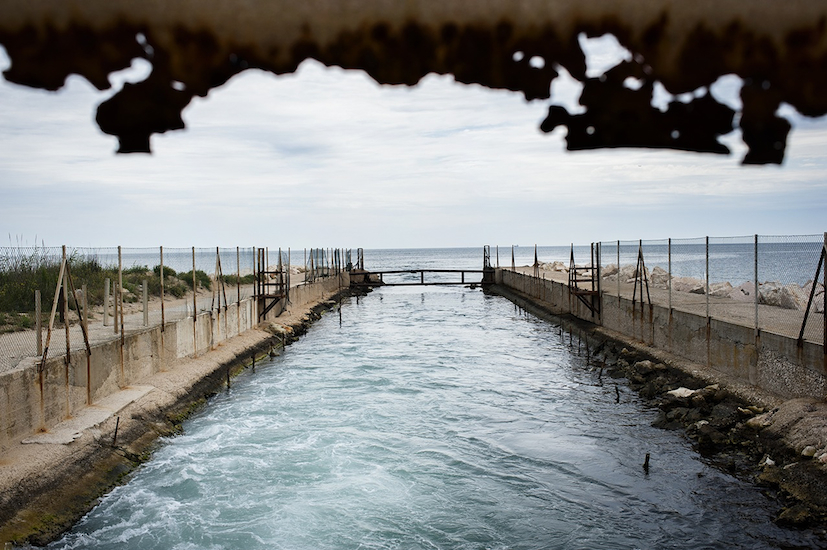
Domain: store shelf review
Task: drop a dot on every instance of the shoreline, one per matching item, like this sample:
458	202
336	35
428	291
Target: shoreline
46	488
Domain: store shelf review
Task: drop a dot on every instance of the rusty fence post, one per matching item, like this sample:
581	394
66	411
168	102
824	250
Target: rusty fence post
161	276
755	281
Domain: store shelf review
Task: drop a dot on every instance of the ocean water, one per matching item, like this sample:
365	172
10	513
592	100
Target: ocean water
785	260
791	259
427	418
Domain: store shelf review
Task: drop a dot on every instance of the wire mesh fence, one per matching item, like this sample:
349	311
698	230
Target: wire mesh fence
107	289
762	282
765	282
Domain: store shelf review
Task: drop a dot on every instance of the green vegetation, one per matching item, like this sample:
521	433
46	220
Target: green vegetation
235	279
12	322
202	278
21	273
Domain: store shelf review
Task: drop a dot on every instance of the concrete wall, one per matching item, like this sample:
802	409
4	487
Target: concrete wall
770	361
31	401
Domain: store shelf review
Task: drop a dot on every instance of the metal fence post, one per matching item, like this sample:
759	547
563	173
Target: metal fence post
119	321
618	271
755	281
65	313
669	275
194	308
707	281
600	279
238	288
161	276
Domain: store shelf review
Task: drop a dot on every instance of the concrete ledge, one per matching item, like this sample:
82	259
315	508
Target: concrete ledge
32	402
48	483
771	362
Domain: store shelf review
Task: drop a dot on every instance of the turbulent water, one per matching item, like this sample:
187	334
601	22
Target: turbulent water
441	418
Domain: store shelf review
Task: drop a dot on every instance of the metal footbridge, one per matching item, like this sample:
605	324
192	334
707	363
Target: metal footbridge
378	278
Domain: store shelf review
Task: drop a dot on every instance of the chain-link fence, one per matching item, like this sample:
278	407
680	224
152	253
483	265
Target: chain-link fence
764	282
134	288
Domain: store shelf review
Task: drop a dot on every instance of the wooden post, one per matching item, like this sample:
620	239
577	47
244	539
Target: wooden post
194	309
106	302
83	290
145	291
65	315
115	291
38	322
824	297
119	321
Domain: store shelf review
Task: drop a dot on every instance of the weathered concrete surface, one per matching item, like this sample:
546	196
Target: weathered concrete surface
779	49
771	362
49	478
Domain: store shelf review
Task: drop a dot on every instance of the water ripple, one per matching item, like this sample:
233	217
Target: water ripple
428	420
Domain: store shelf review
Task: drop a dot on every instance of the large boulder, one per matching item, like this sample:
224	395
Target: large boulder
720	289
554	266
789	296
743	293
627	273
818	299
688	284
660	277
609	271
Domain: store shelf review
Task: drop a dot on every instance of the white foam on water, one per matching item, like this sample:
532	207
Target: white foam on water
429	419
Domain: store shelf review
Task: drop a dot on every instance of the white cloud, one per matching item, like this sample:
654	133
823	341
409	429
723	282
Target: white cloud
328	157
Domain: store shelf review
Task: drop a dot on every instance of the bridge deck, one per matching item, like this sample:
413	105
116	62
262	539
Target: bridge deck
371	282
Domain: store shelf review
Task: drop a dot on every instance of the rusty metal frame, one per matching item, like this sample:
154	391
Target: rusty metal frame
822	262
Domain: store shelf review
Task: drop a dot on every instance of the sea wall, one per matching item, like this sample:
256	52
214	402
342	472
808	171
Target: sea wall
772	362
34	400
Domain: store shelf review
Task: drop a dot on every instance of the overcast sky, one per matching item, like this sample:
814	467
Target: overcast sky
326	157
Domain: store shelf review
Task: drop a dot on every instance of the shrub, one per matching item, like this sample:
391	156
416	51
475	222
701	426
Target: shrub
168	271
202	279
234	279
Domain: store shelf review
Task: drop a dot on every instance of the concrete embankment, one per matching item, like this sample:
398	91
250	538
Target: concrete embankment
741	405
777	364
59	454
